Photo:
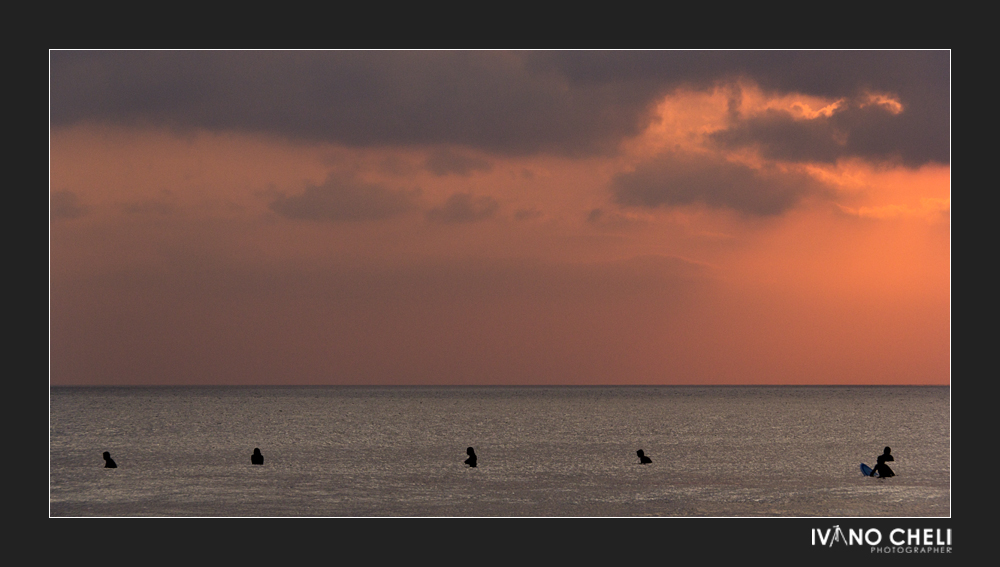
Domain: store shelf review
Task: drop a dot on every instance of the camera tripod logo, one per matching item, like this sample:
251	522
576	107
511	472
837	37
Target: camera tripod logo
838	535
830	536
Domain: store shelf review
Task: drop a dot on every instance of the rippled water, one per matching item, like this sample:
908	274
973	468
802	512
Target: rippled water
543	451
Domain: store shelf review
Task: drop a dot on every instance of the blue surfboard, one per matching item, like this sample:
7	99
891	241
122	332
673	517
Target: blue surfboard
866	470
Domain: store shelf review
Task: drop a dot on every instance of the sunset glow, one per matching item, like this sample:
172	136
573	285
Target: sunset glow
499	218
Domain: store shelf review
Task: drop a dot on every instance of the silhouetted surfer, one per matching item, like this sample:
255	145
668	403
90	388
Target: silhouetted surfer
256	458
643	459
881	468
471	461
109	463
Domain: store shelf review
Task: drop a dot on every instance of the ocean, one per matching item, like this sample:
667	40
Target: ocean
338	451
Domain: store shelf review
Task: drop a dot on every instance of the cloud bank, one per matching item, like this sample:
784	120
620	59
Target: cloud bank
677	179
345	200
511	103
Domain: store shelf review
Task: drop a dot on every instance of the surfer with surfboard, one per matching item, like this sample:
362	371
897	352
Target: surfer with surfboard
881	469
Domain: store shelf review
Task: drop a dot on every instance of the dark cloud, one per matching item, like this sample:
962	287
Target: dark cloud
779	135
856	128
345	200
674	179
65	205
444	162
487	100
921	80
507	102
463	207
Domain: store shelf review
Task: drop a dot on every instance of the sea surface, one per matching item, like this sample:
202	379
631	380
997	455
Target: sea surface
543	451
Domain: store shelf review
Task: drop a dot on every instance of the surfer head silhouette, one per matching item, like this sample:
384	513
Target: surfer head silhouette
109	463
256	458
471	461
643	459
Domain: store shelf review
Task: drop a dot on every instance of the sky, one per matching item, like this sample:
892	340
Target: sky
499	217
